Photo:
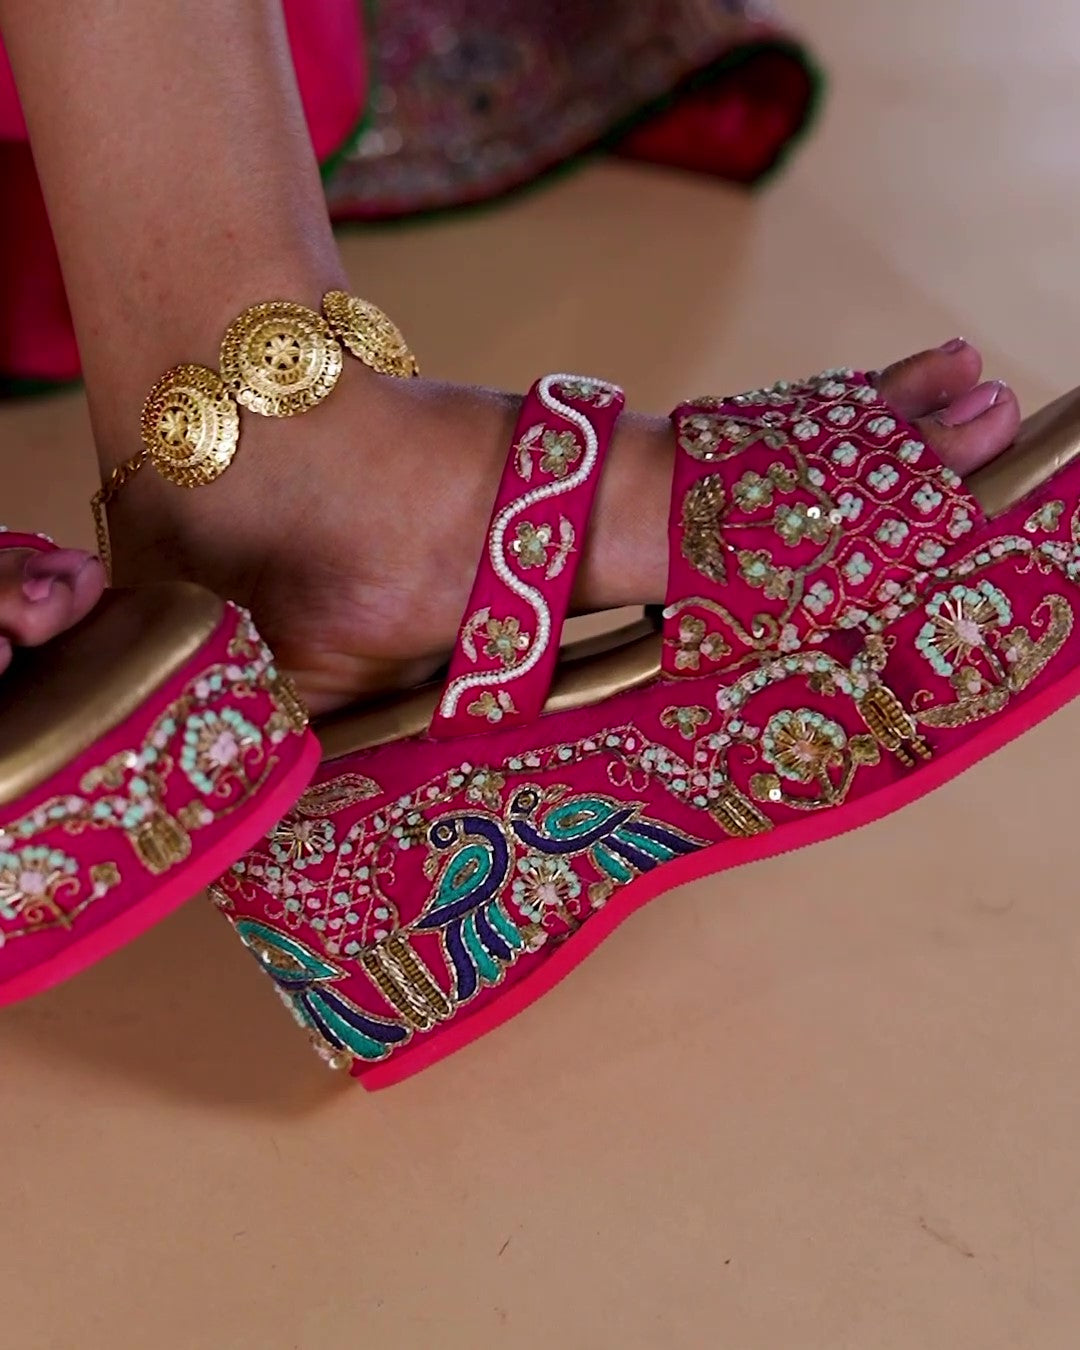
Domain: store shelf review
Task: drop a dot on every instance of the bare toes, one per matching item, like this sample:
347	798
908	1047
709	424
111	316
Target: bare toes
930	380
41	594
975	428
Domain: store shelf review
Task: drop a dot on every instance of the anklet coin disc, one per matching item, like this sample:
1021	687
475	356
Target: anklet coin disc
369	334
280	359
190	426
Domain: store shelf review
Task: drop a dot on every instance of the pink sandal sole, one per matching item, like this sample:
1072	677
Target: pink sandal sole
846	629
680	871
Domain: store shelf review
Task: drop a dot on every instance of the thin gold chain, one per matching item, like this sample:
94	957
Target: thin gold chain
104	495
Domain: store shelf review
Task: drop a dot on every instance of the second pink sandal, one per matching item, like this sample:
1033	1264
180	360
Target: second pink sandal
847	626
140	752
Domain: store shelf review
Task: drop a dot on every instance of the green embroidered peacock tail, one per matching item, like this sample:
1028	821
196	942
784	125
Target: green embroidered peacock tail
504	877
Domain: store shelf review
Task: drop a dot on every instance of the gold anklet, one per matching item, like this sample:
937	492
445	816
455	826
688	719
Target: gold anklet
278	359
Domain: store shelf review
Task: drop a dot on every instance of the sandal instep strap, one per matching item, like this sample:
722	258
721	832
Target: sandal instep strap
508	644
797	510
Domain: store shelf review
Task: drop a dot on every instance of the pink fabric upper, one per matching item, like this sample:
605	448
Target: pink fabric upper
419	886
508	644
800	509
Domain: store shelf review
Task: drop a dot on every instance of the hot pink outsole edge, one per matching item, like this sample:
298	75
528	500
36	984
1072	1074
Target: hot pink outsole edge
734	853
183	883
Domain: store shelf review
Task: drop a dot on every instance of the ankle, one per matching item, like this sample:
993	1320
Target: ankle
174	330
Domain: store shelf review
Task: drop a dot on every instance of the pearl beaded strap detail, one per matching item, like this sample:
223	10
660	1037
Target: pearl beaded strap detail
594	432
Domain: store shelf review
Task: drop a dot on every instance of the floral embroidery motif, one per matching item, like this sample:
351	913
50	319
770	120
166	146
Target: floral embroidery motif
695	643
215	742
802	744
31	879
685	719
892	533
963	641
758	569
819	597
857	568
1045	517
596	392
883	479
543	886
139	801
926	499
960	523
928	552
300	843
533	543
806	747
700	434
845	454
958	621
506	642
492	706
910	452
559	451
801	521
752	492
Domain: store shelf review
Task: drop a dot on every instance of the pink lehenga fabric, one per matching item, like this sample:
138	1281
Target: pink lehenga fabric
36	337
471	98
420	105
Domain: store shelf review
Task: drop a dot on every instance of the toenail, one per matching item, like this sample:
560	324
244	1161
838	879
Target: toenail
972	404
66	563
41	570
37	588
953	345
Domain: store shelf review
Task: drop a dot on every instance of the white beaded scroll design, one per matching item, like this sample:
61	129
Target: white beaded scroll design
502	522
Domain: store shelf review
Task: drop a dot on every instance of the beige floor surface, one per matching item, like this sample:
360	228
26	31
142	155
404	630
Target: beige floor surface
830	1102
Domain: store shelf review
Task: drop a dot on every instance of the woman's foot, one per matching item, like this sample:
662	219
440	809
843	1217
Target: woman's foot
352	533
42	594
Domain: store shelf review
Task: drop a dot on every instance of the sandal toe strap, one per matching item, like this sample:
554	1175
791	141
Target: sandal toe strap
795	511
508	644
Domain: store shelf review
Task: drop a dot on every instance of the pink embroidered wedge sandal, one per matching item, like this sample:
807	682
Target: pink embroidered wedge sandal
140	753
847	626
